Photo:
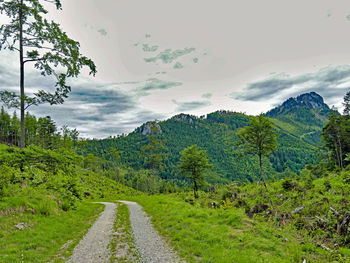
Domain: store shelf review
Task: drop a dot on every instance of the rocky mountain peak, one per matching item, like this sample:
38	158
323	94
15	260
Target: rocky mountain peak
184	118
310	100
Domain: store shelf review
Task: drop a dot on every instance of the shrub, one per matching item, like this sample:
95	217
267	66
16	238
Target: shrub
287	184
45	207
65	205
4	178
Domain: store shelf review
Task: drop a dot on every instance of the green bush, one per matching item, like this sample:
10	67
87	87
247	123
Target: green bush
45	207
287	184
65	205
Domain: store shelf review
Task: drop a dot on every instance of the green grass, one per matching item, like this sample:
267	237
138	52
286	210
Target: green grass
123	244
202	234
45	235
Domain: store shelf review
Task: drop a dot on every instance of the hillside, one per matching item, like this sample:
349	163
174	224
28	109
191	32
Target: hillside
298	121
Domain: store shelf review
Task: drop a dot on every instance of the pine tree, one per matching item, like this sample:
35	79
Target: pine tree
43	43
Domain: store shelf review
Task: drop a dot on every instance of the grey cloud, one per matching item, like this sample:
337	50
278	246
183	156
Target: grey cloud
168	56
147	48
207	95
192	105
178	65
330	82
95	109
92	108
155	84
102	31
348	17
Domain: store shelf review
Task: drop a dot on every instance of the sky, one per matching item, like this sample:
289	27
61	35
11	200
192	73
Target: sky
159	58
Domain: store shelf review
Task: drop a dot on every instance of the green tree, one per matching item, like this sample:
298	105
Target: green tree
346	104
259	138
193	163
336	137
153	152
43	43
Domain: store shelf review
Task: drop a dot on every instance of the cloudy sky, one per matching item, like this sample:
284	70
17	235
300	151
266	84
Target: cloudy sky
157	58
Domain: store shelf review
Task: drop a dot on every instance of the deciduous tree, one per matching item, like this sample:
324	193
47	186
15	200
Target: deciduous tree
259	138
43	43
193	163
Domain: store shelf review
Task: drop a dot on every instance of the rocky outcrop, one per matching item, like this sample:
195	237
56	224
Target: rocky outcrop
184	118
150	127
310	100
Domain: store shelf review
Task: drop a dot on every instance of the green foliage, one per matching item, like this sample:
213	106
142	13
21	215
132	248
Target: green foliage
297	138
287	184
346	104
46	234
45	44
152	153
193	163
41	132
203	234
336	138
259	138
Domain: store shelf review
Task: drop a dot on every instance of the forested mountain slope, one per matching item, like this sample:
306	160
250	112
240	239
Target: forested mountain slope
298	121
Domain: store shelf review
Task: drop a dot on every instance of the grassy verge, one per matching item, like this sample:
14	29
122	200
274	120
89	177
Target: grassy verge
224	235
45	237
123	245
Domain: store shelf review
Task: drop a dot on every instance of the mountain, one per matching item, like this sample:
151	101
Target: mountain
298	121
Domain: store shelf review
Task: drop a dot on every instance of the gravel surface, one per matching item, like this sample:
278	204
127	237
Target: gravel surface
152	248
94	246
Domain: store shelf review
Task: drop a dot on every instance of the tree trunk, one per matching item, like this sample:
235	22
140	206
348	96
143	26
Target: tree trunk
22	139
340	153
337	153
261	170
195	189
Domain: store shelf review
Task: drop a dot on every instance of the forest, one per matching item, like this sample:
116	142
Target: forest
223	187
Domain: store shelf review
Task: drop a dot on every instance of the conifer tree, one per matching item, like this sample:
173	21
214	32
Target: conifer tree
43	43
346	104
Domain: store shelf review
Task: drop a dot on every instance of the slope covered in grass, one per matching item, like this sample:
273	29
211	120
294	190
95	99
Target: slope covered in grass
46	201
295	219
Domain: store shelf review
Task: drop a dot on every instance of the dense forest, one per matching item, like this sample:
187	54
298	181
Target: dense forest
298	122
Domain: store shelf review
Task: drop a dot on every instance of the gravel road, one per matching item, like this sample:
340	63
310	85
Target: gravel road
152	248
93	248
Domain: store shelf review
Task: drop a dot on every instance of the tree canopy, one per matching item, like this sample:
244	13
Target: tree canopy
193	163
258	138
43	43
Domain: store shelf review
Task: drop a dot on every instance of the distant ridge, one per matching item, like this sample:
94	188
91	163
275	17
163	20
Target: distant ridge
298	122
310	101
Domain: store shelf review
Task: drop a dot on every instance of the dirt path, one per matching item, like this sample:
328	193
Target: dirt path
152	248
94	246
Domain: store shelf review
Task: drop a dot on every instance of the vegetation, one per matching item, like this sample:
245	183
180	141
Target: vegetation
44	202
123	243
193	163
305	215
42	42
258	138
298	128
336	137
